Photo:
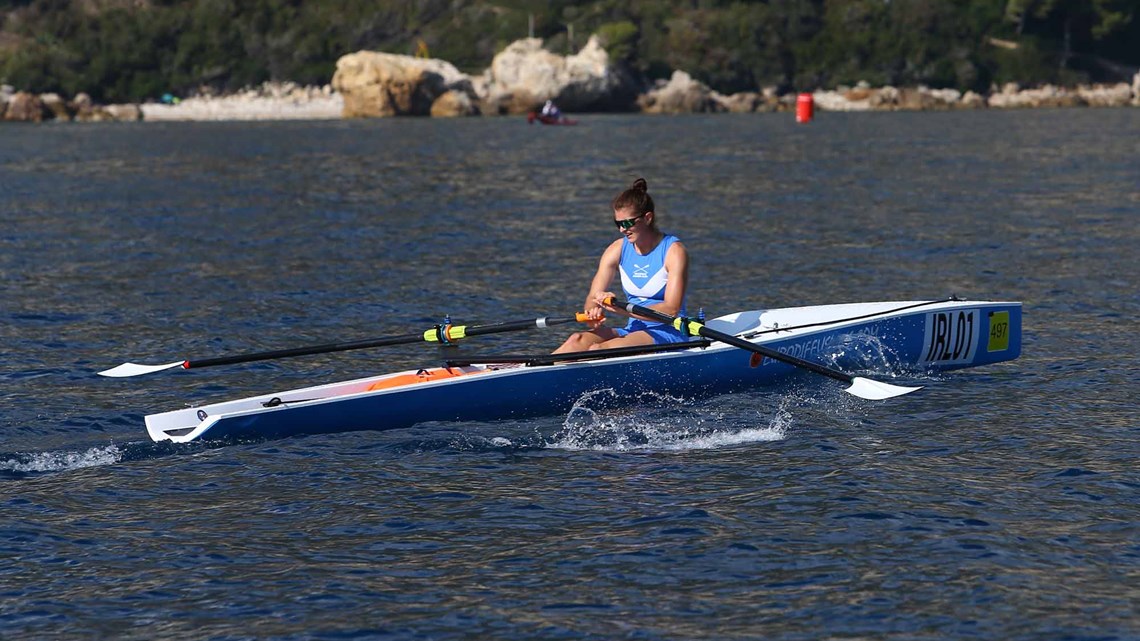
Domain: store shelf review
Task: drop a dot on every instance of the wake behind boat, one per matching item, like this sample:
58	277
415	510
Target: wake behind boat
731	353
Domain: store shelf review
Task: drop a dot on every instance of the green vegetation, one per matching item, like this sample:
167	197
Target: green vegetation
132	50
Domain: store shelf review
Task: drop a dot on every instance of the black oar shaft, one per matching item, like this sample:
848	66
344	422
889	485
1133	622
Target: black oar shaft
438	334
701	329
304	351
520	325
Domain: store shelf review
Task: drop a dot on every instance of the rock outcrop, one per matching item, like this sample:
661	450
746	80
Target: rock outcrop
452	104
377	84
520	78
680	94
524	75
55	105
25	107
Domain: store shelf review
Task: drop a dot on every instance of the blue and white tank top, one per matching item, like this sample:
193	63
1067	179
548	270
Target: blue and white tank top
643	278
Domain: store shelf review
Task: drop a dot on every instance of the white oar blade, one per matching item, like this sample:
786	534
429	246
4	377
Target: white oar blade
877	391
134	369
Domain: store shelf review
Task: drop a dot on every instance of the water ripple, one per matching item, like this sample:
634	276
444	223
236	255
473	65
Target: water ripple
998	503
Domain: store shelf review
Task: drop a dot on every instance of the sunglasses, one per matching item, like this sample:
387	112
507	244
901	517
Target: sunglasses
628	223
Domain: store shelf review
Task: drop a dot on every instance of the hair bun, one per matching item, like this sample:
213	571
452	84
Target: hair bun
636	197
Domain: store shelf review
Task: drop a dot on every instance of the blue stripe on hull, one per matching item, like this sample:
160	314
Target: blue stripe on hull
539	391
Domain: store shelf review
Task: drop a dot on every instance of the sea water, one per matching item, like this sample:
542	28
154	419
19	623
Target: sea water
996	503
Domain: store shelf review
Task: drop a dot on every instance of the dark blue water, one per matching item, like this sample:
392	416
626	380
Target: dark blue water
997	503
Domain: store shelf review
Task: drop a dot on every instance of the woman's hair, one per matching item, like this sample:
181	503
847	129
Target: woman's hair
637	197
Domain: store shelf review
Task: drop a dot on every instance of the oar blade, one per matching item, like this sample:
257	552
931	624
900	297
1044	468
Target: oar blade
877	390
134	369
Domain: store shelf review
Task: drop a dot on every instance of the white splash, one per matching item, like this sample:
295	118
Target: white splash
861	351
603	421
59	461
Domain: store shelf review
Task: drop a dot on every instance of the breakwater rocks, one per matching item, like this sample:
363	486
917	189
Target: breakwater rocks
21	106
520	78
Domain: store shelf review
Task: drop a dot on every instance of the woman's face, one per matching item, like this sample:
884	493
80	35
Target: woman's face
631	223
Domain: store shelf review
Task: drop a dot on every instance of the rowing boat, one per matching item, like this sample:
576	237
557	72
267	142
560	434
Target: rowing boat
532	117
730	353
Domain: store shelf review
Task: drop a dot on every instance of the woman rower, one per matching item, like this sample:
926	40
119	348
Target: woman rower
654	270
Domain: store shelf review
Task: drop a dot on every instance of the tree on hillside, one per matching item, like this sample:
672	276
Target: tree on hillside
1069	32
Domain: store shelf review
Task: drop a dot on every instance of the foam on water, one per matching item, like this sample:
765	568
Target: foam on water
60	461
603	421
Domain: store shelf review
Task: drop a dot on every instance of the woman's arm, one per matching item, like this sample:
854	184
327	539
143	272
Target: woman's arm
677	266
599	287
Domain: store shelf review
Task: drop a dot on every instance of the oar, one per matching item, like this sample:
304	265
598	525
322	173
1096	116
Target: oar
439	333
861	387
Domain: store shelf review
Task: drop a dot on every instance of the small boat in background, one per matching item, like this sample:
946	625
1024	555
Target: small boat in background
533	117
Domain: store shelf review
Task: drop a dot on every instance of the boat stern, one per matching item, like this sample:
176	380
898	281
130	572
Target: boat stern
178	426
971	334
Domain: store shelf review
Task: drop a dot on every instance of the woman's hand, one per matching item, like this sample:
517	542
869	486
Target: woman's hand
596	309
601	299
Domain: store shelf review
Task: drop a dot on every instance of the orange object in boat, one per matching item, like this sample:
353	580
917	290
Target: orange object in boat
422	376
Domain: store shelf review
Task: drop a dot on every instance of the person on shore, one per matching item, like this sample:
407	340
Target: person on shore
550	110
654	270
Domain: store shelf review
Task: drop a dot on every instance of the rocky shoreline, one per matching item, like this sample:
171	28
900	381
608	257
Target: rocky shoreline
521	77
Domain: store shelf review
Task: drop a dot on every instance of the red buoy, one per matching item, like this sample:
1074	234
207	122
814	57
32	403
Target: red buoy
805	107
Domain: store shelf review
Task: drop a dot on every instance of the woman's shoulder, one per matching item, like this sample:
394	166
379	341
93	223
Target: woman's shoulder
674	246
614	249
